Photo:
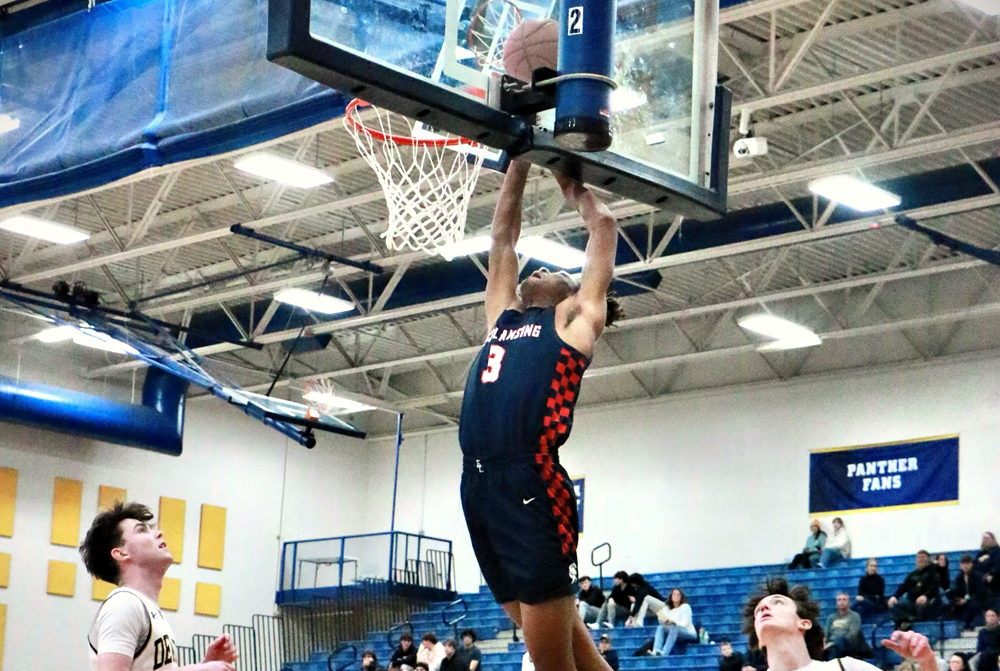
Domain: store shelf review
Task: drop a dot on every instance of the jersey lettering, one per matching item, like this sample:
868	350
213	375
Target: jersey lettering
492	372
163	652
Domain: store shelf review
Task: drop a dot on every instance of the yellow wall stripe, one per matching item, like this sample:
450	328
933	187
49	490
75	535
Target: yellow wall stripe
3	629
207	599
8	494
66	502
212	537
4	569
101	589
62	578
891	442
170	594
171	522
107	497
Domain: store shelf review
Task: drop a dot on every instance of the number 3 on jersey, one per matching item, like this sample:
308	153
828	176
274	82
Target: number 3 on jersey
492	371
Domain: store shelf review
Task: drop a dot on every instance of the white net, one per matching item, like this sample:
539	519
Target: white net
427	183
490	24
323	397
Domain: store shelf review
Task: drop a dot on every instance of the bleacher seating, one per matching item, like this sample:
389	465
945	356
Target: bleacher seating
716	597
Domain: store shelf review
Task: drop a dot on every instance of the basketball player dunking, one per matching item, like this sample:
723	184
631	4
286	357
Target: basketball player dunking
517	411
129	632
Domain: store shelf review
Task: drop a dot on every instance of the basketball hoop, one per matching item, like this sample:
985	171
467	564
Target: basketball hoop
323	398
427	185
489	26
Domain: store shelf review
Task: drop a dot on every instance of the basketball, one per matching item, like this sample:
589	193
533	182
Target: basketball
531	45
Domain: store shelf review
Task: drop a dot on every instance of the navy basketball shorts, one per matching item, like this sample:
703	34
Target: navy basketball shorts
524	529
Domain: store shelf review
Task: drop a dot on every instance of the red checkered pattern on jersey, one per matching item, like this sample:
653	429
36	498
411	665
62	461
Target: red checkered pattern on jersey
555	430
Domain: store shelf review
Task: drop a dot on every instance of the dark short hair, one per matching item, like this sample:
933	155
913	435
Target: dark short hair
430	636
451	643
622	575
470	633
406	636
805	608
422	665
837	519
636	579
105	535
615	310
966	559
924	552
605	637
583	577
371	653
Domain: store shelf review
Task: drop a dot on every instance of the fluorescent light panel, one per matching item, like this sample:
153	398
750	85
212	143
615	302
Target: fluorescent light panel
787	335
44	230
854	193
991	7
336	403
283	170
102	341
313	301
535	246
56	334
8	123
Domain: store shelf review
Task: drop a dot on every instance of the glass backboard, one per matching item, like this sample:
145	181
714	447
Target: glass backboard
440	54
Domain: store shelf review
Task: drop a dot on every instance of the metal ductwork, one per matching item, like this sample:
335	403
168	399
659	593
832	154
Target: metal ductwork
157	424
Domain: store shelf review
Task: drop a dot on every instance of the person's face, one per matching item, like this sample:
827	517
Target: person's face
604	645
427	644
585	584
449	651
618	582
726	649
367	660
966	567
545	288
992	619
842	602
923	560
988	540
776	615
954	663
405	644
142	545
837	525
467	641
871	567
941	560
675	598
814	528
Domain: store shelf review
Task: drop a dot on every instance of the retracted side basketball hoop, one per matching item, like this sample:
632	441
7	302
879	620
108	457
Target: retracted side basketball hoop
428	179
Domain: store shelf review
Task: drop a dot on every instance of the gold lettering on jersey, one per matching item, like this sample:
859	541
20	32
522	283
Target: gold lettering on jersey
526	331
164	652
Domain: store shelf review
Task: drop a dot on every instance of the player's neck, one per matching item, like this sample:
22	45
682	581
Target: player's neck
146	582
787	654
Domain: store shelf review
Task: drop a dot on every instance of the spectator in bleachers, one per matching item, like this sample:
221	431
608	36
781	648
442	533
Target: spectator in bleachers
452	661
967	595
589	600
421	666
958	662
870	600
730	660
944	573
645	597
618	605
989	661
470	654
404	654
608	653
988	639
838	548
810	554
918	597
676	624
843	631
369	661
784	622
431	652
988	564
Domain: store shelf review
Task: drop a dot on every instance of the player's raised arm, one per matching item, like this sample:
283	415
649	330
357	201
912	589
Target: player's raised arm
501	286
591	307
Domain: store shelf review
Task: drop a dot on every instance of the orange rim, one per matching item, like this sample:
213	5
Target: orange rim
397	139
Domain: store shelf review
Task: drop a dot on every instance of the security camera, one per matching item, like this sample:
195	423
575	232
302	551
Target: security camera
750	146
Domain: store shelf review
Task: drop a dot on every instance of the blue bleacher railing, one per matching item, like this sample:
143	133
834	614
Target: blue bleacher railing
345	661
391	637
452	622
598	562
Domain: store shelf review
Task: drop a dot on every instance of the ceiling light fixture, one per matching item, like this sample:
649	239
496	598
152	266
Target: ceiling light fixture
313	301
283	170
991	7
44	230
56	334
467	247
8	123
102	341
786	334
551	252
854	193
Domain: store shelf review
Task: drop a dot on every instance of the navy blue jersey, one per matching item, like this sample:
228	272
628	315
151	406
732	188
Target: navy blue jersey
521	390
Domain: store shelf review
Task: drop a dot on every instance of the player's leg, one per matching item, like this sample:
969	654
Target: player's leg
548	633
585	653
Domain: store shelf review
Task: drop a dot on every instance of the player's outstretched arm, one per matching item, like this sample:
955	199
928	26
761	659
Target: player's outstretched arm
591	307
501	285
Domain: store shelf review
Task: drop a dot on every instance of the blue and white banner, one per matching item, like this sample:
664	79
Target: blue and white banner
889	475
579	490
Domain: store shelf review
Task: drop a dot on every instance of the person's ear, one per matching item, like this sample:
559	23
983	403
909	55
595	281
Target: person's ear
805	625
118	554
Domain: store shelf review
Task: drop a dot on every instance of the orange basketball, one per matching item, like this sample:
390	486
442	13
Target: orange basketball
531	45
